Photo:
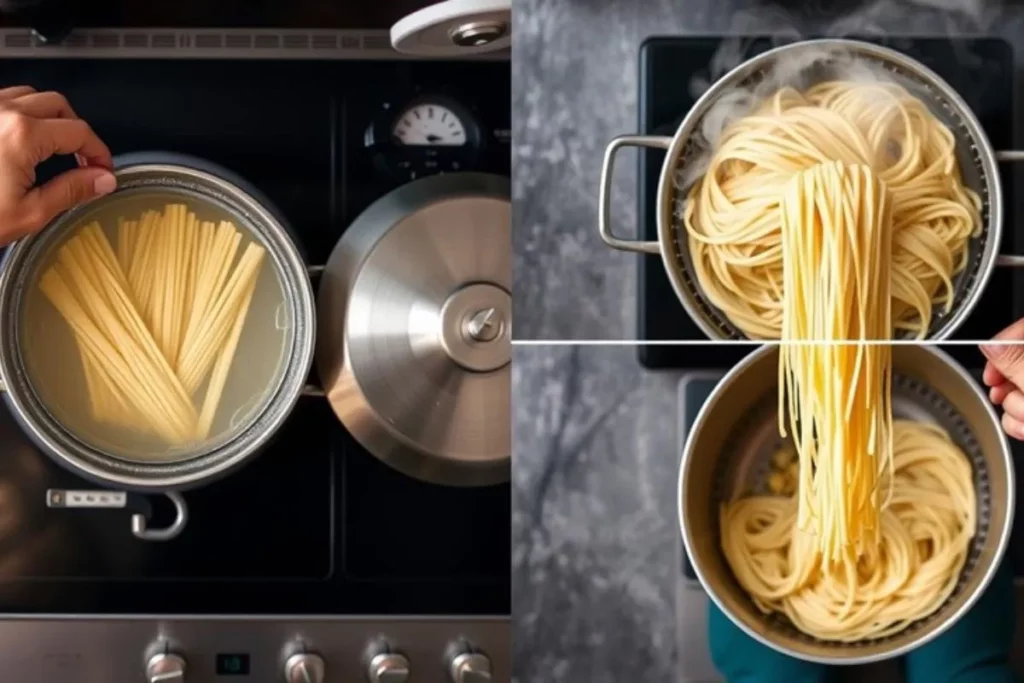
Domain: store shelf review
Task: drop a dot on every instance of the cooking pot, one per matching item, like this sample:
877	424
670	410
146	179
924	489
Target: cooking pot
822	60
194	180
730	446
413	351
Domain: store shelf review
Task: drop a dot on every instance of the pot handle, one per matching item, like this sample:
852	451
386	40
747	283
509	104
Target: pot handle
139	522
98	499
604	209
1010	260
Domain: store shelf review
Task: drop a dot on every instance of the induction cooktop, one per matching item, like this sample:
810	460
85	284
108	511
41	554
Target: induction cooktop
316	547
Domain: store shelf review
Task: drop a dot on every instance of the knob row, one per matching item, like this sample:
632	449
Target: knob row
465	664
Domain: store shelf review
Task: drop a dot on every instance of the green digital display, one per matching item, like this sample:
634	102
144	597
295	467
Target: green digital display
233	664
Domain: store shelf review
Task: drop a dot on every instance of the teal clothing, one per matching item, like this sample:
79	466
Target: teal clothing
975	650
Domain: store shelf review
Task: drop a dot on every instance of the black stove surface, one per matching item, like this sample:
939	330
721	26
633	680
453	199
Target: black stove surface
980	69
315	524
696	393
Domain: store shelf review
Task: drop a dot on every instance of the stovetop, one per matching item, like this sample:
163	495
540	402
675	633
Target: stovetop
315	525
673	73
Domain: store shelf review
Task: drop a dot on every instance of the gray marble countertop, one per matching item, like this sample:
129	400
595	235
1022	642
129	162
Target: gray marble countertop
594	466
593	534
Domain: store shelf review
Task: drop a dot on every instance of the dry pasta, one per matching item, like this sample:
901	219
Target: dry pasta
153	317
733	214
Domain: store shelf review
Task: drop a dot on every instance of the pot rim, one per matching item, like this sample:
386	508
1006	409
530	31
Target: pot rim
733	375
70	451
678	140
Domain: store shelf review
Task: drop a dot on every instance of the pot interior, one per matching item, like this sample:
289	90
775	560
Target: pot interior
46	372
801	65
727	455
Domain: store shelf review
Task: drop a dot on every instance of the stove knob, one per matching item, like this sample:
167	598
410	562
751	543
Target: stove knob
468	665
165	667
304	667
388	667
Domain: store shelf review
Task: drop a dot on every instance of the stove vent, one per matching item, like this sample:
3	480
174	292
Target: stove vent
162	43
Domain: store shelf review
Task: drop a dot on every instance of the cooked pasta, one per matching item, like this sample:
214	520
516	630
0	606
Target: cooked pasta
837	396
152	318
876	530
925	531
733	214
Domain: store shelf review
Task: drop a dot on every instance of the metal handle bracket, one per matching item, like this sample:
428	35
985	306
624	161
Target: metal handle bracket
139	522
1010	260
604	209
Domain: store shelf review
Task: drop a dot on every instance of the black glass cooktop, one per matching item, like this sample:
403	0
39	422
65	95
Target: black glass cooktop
315	524
696	392
674	71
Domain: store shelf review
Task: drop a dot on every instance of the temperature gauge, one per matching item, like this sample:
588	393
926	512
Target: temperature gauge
428	136
431	125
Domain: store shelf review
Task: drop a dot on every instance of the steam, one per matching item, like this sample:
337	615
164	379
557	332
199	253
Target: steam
803	68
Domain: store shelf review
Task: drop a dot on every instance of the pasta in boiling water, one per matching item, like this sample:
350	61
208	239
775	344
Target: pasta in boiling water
156	318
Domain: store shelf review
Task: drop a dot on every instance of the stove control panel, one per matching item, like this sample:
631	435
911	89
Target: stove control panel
258	650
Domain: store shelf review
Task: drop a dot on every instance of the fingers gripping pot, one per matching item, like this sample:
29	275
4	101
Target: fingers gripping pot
727	453
414	314
824	61
145	180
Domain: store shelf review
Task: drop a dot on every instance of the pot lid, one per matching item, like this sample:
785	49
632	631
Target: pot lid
415	329
455	27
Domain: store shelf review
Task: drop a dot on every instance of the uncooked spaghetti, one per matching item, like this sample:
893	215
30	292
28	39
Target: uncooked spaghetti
733	214
156	318
925	532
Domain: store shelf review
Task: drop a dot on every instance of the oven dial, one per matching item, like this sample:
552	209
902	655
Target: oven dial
165	667
388	667
466	664
304	667
385	664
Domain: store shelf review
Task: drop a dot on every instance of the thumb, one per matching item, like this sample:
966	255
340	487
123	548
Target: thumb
42	204
1007	356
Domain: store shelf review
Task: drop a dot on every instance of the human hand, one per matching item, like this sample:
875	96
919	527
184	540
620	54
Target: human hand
1004	375
35	126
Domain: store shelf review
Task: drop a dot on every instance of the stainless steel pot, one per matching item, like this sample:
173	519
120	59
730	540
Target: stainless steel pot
733	438
200	180
415	323
978	164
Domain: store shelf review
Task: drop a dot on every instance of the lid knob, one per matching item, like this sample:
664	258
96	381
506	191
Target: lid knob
478	33
484	325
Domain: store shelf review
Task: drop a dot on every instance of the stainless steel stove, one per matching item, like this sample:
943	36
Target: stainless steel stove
317	561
